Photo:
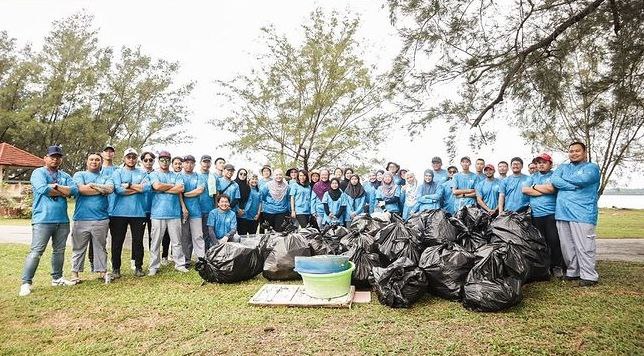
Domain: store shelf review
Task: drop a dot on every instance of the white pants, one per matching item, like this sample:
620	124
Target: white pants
578	249
159	227
192	238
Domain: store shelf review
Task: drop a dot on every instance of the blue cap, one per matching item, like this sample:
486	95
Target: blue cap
55	150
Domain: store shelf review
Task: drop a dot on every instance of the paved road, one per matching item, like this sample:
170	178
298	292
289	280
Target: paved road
607	249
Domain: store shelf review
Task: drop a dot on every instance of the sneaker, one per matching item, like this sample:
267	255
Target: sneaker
164	261
139	273
132	265
152	272
557	272
25	290
586	283
108	278
116	273
61	282
568	278
181	269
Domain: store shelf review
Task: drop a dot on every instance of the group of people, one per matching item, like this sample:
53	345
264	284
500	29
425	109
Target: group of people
187	209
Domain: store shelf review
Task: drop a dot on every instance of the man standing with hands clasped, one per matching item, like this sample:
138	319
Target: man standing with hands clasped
51	188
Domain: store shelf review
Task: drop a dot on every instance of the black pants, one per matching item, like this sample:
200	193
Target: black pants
165	243
118	229
303	219
245	226
276	221
148	223
548	228
261	218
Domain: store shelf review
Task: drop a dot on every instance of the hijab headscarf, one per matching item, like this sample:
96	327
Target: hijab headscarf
335	194
428	188
354	191
321	187
277	190
345	182
244	188
388	190
410	191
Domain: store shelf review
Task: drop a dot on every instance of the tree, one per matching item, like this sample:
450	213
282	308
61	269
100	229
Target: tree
311	103
76	93
571	69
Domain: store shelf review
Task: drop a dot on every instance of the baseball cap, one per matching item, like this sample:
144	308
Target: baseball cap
466	158
437	160
130	151
55	150
229	166
109	146
544	156
205	158
165	154
489	166
189	158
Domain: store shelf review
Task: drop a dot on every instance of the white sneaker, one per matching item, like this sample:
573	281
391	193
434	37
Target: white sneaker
181	269
152	272
25	290
164	262
132	265
62	282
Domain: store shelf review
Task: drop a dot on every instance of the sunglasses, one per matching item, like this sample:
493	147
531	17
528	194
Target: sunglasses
451	171
164	159
148	160
130	157
242	173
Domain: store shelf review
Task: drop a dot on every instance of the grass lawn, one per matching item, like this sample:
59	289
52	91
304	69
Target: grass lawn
173	313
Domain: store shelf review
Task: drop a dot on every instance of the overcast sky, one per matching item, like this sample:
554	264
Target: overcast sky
215	40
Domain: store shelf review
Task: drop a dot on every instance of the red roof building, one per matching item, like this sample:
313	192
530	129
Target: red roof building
11	156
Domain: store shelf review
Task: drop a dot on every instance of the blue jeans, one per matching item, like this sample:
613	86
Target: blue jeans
40	237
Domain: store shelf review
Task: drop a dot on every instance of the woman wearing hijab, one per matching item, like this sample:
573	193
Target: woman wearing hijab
429	194
371	188
335	205
275	201
319	189
247	223
356	198
301	199
345	180
388	194
409	195
244	190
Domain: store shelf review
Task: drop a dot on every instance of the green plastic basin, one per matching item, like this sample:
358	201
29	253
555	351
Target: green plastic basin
328	285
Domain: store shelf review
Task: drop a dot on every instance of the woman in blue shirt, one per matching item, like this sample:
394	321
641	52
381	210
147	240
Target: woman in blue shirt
222	222
248	220
275	201
429	194
356	198
334	205
388	194
301	198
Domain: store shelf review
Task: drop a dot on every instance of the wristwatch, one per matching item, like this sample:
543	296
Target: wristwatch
129	185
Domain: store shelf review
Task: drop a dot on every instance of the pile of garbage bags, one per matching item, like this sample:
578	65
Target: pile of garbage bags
470	257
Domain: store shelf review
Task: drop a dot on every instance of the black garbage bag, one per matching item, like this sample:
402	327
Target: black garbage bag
434	226
517	229
399	285
280	256
324	242
231	262
364	262
367	224
494	284
359	239
472	227
398	240
446	267
335	231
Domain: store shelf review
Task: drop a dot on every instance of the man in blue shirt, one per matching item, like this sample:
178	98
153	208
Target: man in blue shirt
165	214
214	176
192	239
226	185
51	188
577	183
91	219
487	191
206	202
440	175
478	166
543	197
503	170
511	197
464	183
130	185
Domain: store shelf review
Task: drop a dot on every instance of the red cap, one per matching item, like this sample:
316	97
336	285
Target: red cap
489	166
544	156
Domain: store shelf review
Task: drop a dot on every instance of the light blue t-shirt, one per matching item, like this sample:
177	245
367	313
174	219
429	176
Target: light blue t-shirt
274	206
206	203
511	187
440	176
252	205
334	207
46	209
428	201
165	205
92	207
390	207
448	202
302	197
132	205
355	205
545	204
465	181
371	197
577	196
190	183
230	188
489	190
223	222
109	172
